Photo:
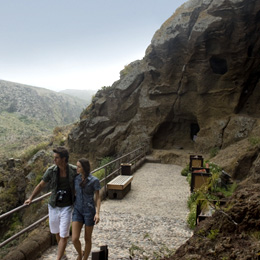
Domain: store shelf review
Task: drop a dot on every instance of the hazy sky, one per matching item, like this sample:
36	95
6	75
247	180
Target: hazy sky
80	44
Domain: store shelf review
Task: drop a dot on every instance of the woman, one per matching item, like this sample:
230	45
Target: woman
85	212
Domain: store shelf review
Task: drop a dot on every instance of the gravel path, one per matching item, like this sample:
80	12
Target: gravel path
152	216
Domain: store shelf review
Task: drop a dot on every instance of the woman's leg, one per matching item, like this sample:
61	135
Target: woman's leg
88	242
76	229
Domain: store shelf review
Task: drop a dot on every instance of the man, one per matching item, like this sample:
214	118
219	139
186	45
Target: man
61	182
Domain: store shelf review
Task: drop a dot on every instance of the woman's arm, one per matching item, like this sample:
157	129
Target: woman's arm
98	203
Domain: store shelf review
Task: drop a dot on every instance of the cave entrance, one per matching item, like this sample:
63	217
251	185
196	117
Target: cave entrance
170	135
194	129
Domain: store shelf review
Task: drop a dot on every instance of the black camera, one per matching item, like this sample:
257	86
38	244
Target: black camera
60	194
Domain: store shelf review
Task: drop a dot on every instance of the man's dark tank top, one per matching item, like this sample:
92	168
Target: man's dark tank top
64	191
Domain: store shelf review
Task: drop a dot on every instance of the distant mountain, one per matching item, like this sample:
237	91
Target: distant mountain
29	113
82	94
39	103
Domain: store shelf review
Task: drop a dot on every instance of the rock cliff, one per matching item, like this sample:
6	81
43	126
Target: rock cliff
197	86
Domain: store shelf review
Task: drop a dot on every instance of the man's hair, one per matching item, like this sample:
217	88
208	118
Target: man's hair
62	151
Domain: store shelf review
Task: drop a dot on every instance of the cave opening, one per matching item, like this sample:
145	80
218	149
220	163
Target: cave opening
194	129
218	65
180	134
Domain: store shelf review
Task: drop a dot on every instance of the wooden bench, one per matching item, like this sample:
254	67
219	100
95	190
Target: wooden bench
119	187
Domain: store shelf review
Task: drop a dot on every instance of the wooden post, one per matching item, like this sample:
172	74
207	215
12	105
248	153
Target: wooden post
102	254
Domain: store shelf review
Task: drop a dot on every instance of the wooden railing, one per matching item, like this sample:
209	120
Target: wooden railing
112	169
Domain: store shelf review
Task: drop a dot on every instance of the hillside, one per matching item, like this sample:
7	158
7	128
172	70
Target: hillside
29	114
81	94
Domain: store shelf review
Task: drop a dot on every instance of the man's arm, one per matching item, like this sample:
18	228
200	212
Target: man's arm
35	192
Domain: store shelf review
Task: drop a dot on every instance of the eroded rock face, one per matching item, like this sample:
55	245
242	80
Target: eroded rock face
199	80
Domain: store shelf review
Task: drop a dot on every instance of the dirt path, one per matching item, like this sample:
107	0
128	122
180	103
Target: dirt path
151	216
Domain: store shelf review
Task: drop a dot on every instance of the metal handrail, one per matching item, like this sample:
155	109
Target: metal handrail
107	175
24	206
23	231
120	158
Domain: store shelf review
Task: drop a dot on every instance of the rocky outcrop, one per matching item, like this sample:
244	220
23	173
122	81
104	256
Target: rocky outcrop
199	81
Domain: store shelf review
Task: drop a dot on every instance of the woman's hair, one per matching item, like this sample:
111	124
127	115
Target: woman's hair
86	168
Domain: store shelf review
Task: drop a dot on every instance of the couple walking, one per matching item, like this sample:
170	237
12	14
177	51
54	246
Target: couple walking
73	190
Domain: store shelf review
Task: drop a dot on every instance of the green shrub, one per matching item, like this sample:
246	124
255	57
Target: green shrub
227	192
185	171
254	140
59	137
207	192
32	150
192	216
16	222
16	225
213	234
214	151
106	88
255	235
189	178
214	168
101	173
192	199
105	161
125	71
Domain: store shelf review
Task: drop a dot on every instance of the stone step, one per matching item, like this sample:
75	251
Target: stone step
151	159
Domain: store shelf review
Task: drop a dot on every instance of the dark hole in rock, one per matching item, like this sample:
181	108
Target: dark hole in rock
218	65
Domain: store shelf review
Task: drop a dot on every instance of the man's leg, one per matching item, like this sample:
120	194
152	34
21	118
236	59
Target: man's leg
54	223
61	247
65	220
57	238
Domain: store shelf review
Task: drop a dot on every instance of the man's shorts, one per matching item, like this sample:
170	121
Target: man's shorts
59	220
